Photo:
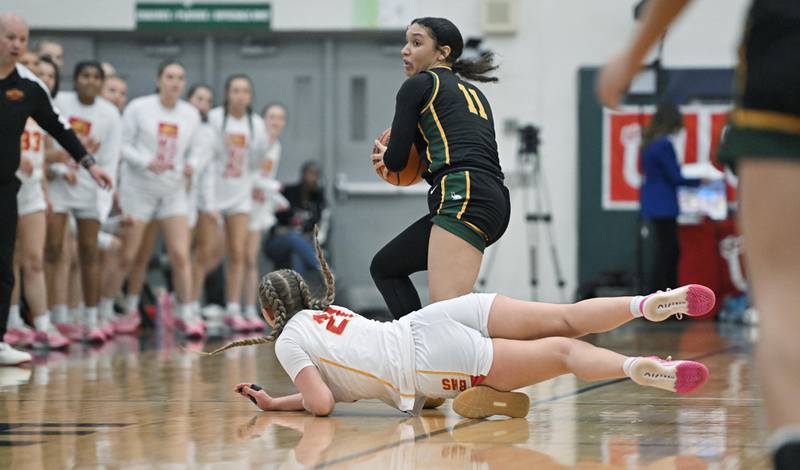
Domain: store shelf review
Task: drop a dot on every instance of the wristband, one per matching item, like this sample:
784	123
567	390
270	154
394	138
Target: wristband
87	161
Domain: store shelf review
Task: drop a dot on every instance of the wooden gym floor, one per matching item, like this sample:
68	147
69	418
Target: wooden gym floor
149	404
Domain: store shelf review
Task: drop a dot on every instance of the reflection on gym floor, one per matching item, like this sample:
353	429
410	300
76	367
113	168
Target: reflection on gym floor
155	402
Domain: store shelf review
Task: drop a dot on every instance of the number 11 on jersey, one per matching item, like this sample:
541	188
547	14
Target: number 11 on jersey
470	104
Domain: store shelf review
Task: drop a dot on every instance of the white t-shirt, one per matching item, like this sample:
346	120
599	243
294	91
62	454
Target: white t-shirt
244	143
265	171
32	147
151	131
206	149
358	358
100	121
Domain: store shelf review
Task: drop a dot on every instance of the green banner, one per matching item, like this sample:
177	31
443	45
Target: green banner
203	15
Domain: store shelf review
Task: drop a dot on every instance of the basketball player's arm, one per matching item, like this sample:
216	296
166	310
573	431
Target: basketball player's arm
315	394
616	76
48	118
314	397
410	99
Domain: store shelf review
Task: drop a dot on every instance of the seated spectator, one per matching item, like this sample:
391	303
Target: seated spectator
290	243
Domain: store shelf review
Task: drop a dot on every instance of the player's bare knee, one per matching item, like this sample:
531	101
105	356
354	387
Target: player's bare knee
179	259
33	263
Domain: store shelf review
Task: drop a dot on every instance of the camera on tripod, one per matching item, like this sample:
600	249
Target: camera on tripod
529	140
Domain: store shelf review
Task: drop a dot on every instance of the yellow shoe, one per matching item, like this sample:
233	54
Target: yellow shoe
483	401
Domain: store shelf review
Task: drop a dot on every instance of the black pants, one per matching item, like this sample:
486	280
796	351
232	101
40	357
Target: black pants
667	252
8	238
391	267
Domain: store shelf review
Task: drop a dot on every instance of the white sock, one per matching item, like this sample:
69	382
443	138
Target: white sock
197	310
76	314
106	308
185	311
250	311
626	367
14	318
91	317
42	322
131	303
60	314
636	305
233	308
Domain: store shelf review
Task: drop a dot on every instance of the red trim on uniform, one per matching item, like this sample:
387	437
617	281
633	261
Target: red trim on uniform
477	379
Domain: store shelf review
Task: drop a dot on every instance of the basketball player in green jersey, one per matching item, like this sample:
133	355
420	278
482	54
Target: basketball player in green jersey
450	122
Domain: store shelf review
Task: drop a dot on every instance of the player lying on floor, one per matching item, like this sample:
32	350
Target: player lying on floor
480	346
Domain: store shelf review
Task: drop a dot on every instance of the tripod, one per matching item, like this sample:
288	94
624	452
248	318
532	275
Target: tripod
536	191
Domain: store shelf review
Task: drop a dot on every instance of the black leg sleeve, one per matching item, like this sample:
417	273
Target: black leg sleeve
8	235
391	267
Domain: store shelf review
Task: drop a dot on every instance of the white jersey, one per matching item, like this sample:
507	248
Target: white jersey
244	142
265	170
357	358
101	122
32	148
152	132
205	152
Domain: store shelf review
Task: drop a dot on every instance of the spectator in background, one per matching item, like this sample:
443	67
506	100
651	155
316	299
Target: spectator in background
291	242
659	192
115	90
53	49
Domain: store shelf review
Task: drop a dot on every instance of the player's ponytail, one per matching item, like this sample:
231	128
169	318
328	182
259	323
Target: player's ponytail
445	33
283	293
476	69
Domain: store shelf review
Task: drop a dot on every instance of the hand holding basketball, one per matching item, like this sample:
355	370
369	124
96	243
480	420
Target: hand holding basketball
411	174
377	159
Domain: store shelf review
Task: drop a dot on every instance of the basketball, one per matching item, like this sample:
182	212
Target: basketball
411	174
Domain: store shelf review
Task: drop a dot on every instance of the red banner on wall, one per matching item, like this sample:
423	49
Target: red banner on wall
698	142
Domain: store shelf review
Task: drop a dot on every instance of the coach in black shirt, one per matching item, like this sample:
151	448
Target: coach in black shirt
22	95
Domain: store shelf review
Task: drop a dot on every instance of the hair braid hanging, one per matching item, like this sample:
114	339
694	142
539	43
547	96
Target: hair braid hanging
269	297
236	344
330	284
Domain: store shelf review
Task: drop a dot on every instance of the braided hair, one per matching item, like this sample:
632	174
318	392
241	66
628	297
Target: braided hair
284	293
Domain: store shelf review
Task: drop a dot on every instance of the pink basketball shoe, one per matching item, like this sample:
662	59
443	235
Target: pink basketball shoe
19	337
675	376
693	300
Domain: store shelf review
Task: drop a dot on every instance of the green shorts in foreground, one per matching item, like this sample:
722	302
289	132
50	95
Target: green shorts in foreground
461	230
748	142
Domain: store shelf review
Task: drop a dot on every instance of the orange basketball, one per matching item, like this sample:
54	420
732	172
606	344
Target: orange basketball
411	174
